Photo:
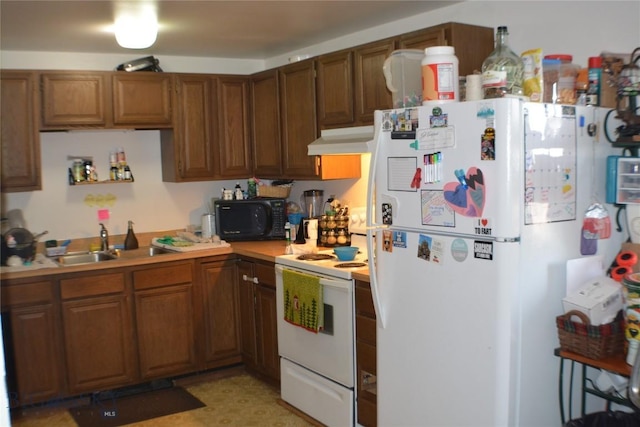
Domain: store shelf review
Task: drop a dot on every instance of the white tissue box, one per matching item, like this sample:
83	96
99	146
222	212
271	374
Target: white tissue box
600	299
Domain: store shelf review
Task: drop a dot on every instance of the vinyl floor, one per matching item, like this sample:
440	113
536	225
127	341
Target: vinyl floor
232	399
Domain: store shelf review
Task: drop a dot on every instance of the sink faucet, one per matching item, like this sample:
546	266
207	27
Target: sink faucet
104	238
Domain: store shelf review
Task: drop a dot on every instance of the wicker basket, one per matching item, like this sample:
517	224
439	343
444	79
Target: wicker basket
594	342
274	191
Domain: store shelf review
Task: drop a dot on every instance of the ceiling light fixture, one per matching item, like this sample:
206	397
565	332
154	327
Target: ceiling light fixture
136	26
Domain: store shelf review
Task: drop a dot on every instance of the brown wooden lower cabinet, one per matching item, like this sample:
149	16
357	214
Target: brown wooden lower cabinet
97	328
220	330
165	320
92	331
258	318
366	355
31	343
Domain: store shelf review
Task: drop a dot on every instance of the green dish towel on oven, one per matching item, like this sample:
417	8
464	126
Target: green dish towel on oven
303	305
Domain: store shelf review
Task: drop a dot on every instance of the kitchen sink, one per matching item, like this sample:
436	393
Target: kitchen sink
77	258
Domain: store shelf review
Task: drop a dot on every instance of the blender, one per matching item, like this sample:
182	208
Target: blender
313	203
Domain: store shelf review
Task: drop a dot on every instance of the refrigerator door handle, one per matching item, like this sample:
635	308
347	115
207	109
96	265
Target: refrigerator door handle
373	281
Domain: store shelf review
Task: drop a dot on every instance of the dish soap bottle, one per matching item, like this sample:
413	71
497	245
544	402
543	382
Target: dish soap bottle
503	70
131	241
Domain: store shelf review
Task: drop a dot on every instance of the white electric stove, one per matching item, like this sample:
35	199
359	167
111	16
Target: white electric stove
326	262
317	370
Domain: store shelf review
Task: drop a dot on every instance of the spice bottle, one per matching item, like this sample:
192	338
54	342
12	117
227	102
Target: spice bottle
131	241
582	83
502	70
595	74
78	170
251	188
287	234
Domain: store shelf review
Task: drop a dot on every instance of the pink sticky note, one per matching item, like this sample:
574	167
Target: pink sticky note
103	214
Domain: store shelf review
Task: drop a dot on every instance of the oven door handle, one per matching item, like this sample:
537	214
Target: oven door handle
339	284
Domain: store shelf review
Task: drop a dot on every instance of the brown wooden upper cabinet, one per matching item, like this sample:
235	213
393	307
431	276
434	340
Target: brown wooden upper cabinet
265	121
102	99
335	95
299	128
75	99
210	138
19	138
298	118
370	86
472	43
142	99
188	150
351	86
234	147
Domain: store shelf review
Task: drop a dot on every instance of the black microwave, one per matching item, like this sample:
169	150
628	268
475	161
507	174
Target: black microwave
252	219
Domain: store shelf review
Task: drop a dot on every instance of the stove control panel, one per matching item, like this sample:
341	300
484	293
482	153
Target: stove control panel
358	220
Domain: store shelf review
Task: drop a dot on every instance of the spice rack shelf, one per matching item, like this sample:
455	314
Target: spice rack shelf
120	181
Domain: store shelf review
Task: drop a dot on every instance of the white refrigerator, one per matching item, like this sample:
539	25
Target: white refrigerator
477	206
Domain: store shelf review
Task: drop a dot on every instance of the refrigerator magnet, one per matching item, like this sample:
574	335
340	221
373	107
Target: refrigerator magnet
483	227
437	251
488	145
400	239
387	238
424	247
459	250
483	250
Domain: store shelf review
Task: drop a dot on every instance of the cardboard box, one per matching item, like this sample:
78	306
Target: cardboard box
600	299
612	64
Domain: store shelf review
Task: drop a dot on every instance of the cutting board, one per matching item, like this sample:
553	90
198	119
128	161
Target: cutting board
194	247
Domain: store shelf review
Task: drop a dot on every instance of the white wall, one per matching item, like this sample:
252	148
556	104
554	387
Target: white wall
581	28
577	27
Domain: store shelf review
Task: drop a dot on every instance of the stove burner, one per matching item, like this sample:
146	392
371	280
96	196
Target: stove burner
315	257
350	265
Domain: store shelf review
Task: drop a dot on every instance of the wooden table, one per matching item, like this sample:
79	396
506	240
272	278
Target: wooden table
615	364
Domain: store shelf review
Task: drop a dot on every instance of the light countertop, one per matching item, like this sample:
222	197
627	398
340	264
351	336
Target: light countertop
263	250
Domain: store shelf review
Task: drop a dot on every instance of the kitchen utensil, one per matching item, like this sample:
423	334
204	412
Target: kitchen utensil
313	202
346	253
20	242
300	233
311	231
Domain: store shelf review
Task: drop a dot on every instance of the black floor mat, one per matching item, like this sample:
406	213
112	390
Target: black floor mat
117	411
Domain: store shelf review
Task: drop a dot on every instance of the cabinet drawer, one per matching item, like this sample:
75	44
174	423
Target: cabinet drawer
364	301
366	329
163	276
29	293
266	275
92	285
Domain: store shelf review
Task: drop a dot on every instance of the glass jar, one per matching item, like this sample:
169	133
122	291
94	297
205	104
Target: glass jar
502	70
78	170
559	78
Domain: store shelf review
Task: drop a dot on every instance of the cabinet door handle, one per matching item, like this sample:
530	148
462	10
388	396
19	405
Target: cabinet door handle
250	279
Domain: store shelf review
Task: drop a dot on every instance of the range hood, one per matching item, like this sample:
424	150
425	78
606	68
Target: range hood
353	140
